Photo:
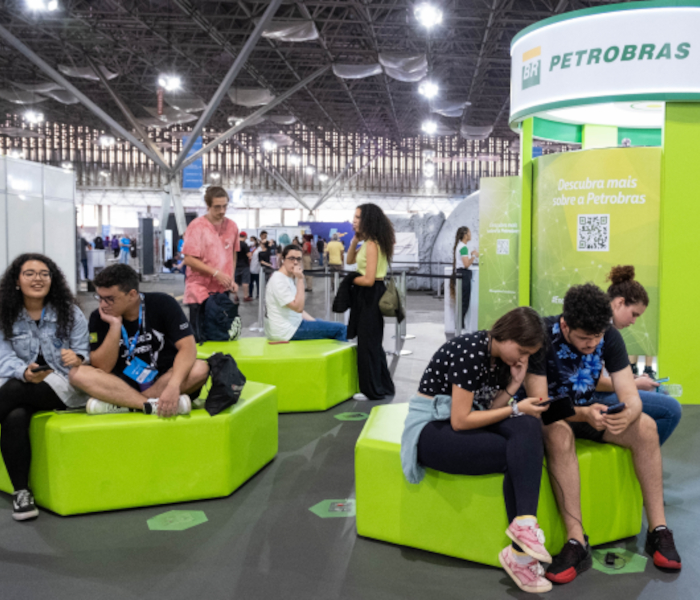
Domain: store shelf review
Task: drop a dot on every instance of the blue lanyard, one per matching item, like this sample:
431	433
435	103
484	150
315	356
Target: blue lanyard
131	343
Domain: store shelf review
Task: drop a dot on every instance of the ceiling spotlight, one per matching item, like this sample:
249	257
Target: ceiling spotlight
67	166
429	127
429	183
16	153
428	89
428	15
50	6
269	145
104	174
169	83
323	177
107	141
429	169
215	175
294	160
34	117
310	170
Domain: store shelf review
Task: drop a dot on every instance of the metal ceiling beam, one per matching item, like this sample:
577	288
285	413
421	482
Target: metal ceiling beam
11	40
362	168
228	80
327	193
251	118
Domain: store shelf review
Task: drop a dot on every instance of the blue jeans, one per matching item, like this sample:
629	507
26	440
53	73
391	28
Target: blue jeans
665	410
124	257
321	330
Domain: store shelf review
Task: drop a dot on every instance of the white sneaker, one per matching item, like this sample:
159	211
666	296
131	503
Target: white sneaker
184	406
97	407
360	397
236	327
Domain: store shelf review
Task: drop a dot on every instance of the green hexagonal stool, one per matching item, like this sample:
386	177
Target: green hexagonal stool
310	375
87	463
464	516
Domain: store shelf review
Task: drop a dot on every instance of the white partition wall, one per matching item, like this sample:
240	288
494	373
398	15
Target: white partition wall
37	213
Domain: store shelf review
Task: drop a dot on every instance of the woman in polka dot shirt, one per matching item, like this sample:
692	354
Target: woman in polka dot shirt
480	372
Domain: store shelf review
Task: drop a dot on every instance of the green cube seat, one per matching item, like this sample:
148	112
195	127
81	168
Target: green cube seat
88	463
310	375
464	516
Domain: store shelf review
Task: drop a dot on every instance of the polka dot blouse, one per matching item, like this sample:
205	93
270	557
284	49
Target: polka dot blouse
464	361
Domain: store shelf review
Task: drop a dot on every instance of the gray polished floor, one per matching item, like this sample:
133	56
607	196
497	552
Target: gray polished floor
263	542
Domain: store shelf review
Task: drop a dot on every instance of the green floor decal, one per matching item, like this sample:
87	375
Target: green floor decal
352	416
330	509
177	520
626	561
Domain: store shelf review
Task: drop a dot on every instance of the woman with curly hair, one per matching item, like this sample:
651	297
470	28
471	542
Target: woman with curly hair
375	231
43	335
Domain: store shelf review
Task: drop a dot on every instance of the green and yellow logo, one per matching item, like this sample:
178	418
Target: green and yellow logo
531	67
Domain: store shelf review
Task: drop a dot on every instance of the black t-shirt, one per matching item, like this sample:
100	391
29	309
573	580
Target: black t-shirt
242	259
320	246
465	361
570	373
163	324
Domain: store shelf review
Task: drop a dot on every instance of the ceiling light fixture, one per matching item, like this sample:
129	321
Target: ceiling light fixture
323	177
169	83
104	173
429	169
269	145
310	170
215	175
41	5
34	117
107	141
429	89
429	183
16	153
67	166
428	15
429	127
294	160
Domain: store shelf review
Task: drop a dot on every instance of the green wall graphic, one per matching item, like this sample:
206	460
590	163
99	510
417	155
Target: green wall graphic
592	210
499	230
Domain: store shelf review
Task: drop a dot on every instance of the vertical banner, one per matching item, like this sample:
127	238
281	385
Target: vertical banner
193	175
593	210
499	231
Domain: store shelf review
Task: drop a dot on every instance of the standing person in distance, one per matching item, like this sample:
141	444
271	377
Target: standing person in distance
463	257
307	249
210	249
242	275
321	248
255	269
43	336
335	251
375	231
125	247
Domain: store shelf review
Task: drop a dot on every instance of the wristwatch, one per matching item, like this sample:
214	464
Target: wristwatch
516	410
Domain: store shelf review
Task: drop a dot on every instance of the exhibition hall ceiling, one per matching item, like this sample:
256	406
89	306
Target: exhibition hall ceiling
380	51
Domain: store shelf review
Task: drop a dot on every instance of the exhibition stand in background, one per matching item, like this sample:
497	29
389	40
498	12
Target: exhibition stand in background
618	75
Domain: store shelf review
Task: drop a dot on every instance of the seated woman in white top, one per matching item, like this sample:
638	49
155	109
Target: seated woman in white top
285	318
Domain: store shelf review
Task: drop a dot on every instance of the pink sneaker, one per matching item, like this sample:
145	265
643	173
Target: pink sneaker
528	577
530	539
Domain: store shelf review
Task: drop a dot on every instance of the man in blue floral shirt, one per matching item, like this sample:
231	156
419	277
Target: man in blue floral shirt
582	341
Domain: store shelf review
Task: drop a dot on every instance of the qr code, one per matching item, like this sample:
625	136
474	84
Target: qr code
593	233
502	246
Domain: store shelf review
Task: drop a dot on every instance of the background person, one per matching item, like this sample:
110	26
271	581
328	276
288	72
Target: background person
307	249
124	247
471	379
629	300
242	274
335	253
285	318
144	356
40	327
255	271
374	229
463	257
210	249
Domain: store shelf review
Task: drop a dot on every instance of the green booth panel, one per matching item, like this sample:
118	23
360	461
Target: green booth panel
88	463
310	375
465	517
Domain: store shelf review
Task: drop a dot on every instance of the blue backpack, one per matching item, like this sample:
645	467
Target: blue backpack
221	320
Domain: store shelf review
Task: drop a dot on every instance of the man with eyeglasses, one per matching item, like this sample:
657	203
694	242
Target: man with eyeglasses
211	247
285	318
142	351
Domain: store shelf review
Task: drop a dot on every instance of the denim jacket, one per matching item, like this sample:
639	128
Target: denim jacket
22	349
421	411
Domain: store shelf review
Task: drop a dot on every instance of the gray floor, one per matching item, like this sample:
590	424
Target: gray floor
263	542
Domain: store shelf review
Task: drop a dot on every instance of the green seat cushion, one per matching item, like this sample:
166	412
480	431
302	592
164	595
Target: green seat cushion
87	463
465	516
309	375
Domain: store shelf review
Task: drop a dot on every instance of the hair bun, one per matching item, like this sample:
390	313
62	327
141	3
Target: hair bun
620	274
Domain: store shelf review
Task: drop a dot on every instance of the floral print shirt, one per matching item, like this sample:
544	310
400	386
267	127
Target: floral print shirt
570	373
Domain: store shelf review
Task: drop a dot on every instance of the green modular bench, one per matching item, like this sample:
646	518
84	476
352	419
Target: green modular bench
88	463
465	516
310	375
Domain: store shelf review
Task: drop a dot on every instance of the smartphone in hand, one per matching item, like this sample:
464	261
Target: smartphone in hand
615	408
41	368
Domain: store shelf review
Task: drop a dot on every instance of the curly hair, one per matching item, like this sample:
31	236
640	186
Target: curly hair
587	307
625	286
123	276
12	298
375	226
461	232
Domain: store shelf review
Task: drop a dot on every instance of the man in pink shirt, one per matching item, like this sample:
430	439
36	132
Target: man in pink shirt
211	245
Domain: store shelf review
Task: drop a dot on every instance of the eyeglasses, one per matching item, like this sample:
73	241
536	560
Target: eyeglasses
108	300
35	274
296	259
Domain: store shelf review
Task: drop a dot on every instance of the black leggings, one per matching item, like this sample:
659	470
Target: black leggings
512	446
19	400
466	292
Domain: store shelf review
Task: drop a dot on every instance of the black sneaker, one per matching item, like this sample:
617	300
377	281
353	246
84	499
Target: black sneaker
23	507
661	547
635	370
649	371
571	561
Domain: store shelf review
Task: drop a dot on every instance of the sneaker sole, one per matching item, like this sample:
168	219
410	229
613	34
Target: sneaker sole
25	516
582	567
516	581
664	563
546	558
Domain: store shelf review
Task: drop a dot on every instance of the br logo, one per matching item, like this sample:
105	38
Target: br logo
531	67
